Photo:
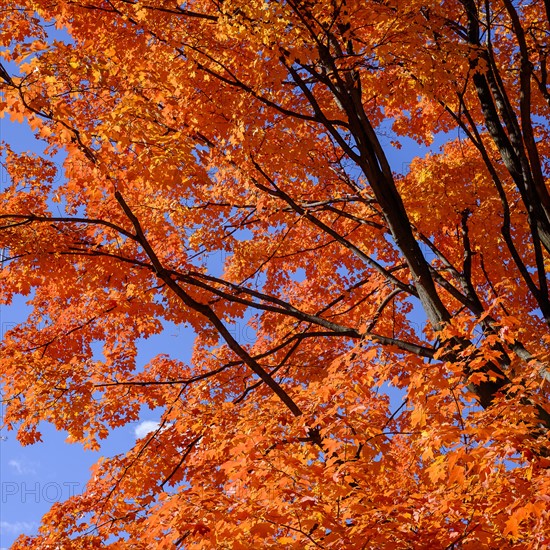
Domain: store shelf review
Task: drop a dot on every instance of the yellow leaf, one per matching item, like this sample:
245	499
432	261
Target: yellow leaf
418	417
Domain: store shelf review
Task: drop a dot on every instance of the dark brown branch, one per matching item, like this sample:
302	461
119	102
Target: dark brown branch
277	192
206	311
184	456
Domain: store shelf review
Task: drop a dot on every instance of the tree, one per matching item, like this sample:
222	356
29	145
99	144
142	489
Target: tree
264	130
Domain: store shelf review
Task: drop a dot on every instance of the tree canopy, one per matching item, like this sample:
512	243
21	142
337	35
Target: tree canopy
262	131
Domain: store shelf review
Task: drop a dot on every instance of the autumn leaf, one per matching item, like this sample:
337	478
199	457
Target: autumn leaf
370	332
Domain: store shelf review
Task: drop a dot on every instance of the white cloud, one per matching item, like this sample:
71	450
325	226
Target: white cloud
145	427
22	467
18	527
